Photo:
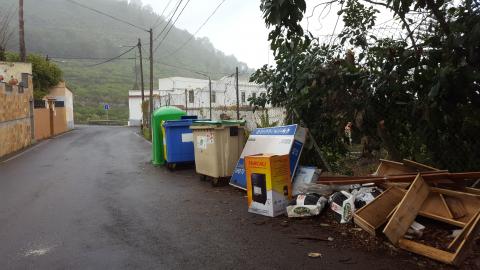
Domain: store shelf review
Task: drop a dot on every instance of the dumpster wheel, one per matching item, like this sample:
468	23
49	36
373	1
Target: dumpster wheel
216	181
220	181
171	166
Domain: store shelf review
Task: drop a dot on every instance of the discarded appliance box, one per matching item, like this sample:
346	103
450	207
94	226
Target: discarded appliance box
282	140
269	188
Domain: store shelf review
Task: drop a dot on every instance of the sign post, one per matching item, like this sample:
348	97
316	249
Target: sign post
106	107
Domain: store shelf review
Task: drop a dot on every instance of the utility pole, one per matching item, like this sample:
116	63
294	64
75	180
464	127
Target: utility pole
236	88
151	76
210	92
21	32
141	80
186	100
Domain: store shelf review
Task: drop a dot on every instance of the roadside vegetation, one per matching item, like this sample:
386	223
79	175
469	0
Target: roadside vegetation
45	73
416	96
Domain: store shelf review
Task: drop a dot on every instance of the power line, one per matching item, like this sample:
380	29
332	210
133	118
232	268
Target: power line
169	20
159	17
171	26
108	15
191	70
113	58
86	58
198	30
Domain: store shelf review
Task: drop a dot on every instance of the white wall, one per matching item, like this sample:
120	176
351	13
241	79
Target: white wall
135	105
69	109
181	83
173	92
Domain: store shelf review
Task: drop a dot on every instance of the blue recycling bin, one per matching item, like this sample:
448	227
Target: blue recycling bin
178	142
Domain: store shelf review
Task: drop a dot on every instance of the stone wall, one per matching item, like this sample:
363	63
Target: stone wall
16	116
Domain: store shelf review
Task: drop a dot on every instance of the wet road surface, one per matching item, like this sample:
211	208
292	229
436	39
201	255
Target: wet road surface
89	199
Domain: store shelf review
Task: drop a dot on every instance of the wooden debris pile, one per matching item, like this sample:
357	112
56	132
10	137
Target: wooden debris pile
412	189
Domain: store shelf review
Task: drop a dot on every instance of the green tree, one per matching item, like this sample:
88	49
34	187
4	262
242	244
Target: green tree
418	96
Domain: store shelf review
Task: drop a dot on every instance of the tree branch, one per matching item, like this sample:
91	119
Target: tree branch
402	17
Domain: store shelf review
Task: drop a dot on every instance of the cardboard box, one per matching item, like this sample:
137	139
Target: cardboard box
269	188
304	177
282	140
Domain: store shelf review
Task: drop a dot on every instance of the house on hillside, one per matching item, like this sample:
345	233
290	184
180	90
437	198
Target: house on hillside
193	95
54	112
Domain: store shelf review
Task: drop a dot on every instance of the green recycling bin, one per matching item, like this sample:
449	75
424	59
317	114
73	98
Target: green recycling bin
160	115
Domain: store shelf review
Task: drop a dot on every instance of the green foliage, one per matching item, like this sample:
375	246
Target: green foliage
265	120
45	73
147	134
419	97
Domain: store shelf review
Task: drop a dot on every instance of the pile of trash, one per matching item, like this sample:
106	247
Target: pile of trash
389	201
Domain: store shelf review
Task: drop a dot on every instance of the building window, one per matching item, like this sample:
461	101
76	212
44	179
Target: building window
214	97
243	97
39	103
191	97
59	104
254	95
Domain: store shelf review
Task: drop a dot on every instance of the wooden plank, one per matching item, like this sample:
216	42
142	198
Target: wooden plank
462	250
427	251
461	236
455	193
472	190
419	166
373	215
407	210
430	177
461	244
389	167
433	208
455	206
458	223
389	184
470	204
364	225
445	205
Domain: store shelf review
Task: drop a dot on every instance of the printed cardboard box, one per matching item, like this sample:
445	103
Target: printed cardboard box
269	187
282	140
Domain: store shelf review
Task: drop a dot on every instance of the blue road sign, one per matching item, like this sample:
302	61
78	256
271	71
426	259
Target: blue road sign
106	107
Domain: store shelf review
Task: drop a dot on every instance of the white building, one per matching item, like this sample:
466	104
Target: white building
193	95
135	105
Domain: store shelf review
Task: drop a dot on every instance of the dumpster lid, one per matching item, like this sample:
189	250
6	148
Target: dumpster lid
178	123
168	110
219	123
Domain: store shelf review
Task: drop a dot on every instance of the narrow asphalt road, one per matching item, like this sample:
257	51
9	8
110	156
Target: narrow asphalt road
90	200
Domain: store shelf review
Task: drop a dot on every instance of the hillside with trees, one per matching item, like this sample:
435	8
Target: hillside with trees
76	39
